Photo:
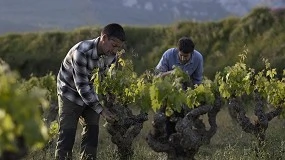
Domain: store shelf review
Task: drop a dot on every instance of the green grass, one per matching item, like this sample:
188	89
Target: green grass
229	143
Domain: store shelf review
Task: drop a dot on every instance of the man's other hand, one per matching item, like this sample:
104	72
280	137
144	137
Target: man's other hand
110	117
163	74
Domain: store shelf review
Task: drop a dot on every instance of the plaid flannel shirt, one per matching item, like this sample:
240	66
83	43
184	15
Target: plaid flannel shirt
74	77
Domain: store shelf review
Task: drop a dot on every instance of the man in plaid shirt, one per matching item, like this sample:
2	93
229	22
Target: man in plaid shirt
77	98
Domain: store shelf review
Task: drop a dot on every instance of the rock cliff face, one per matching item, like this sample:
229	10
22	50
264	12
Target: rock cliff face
32	15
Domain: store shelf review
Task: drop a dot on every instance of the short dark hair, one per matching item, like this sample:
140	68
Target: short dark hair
114	30
186	45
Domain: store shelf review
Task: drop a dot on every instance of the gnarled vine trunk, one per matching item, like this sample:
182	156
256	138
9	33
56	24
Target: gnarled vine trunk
189	133
258	127
51	114
125	130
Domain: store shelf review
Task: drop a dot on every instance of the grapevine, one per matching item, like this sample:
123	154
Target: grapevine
178	129
119	88
267	90
21	125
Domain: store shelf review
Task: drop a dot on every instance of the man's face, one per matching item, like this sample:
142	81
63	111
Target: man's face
184	57
111	45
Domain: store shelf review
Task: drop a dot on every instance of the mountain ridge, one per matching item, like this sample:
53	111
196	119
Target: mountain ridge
39	15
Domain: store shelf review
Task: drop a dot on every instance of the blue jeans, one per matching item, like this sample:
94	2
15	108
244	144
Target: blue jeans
69	115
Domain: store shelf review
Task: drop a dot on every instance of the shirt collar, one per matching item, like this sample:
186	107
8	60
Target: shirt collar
95	53
192	57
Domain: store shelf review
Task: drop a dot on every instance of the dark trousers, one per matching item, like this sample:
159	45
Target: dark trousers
69	115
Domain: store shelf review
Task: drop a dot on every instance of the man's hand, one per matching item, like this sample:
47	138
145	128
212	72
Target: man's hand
163	74
110	117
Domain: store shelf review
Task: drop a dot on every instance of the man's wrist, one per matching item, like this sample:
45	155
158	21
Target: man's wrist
97	107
